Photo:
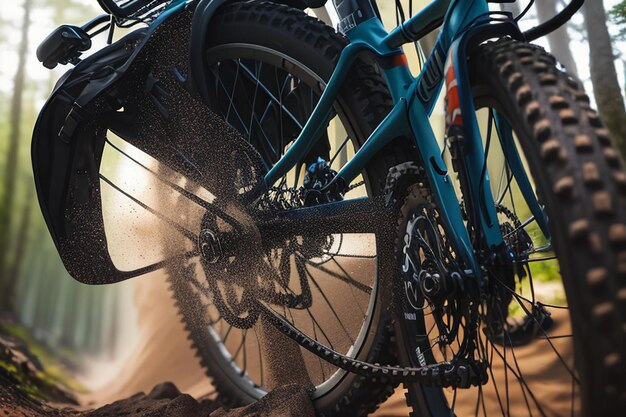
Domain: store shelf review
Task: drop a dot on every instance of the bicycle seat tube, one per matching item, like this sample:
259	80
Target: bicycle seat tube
353	12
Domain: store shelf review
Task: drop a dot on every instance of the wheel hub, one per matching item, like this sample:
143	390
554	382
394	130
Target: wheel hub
210	246
436	286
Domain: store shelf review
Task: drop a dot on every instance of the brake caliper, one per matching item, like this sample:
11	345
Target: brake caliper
319	186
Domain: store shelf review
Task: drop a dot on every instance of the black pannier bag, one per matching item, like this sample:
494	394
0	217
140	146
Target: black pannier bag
121	154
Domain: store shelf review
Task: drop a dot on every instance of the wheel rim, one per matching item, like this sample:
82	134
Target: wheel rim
254	62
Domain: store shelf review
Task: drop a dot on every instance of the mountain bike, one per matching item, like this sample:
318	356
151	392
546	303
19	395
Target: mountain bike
314	227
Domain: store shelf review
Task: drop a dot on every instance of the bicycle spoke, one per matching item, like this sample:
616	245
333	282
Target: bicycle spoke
506	189
519	299
316	323
509	368
168	262
330	306
240	347
521	380
345	277
525	261
556	337
339	149
548	339
186	233
351	287
520	227
268	146
345	255
230	100
262	379
491	376
453	402
271	96
225	337
210	206
319	360
256	89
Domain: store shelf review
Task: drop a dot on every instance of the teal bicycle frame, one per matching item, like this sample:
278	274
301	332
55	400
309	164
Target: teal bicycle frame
414	99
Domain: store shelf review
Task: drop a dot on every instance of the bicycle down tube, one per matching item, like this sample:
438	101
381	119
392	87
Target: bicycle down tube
414	99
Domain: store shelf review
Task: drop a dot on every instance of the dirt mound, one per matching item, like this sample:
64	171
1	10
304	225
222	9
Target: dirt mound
165	400
285	401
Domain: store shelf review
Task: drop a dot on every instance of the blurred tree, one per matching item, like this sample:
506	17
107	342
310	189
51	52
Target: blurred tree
559	40
57	310
9	183
606	88
618	15
22	239
74	12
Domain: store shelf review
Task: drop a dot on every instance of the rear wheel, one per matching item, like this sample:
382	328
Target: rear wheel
549	327
267	67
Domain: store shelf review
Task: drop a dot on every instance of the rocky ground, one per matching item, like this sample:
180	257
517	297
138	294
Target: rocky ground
165	400
25	390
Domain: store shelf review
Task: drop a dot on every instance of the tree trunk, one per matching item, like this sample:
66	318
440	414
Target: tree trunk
559	40
624	71
606	87
8	293
6	203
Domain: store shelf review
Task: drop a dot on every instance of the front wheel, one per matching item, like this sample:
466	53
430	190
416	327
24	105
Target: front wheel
549	326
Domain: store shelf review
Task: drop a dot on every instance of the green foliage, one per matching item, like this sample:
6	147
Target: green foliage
618	16
54	372
23	384
619	10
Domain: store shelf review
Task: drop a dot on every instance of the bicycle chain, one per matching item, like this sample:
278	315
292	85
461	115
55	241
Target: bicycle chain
458	373
509	215
518	236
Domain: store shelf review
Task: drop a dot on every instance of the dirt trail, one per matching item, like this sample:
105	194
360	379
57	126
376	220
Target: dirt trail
164	354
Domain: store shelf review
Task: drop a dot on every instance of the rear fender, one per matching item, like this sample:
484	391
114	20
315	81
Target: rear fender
68	141
199	28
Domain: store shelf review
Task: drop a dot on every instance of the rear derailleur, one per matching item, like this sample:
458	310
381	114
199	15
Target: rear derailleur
321	184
